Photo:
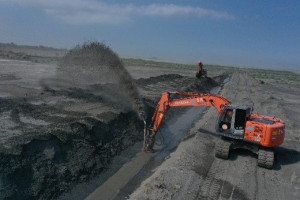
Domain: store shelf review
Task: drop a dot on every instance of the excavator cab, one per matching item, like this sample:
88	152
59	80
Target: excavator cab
232	121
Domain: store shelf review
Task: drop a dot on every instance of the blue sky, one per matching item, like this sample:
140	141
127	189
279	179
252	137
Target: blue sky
255	33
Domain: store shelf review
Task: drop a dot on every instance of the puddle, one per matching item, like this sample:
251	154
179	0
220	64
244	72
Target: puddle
4	95
33	121
215	90
37	103
12	60
8	77
52	102
226	80
40	102
8	128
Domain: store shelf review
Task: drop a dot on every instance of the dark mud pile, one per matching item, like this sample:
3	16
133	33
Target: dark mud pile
60	152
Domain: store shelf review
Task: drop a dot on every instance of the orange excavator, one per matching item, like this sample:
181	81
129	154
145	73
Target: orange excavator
237	126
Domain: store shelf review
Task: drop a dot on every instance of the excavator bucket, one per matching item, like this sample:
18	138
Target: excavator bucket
149	140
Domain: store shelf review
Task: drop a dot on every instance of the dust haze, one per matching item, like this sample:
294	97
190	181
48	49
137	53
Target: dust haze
95	63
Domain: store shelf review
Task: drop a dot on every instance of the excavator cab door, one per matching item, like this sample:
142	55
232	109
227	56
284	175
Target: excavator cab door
232	121
225	121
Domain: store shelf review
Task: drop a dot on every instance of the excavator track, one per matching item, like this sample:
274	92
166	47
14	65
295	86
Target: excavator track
265	158
222	149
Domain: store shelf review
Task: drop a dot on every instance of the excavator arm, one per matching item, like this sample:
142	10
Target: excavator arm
182	99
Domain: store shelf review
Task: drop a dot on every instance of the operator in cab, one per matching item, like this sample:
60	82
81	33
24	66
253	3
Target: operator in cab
227	119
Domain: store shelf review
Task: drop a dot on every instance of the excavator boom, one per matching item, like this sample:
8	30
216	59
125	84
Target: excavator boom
179	99
185	99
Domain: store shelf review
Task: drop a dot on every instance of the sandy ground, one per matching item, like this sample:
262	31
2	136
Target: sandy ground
192	171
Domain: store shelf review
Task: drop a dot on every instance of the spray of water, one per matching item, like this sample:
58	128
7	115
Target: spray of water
93	63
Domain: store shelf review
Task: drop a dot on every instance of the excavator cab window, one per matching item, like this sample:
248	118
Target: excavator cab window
240	119
233	121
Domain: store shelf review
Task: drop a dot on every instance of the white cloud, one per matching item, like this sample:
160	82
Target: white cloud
93	12
173	10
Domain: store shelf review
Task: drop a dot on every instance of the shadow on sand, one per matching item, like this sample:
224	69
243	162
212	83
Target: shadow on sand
285	156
